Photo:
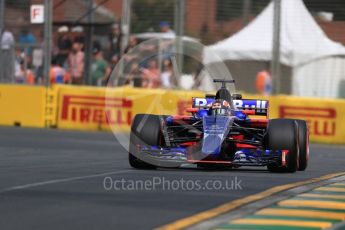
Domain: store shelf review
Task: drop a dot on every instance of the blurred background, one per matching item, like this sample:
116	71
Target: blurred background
282	46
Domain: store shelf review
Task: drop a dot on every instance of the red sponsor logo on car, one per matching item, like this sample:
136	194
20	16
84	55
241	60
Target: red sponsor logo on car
321	121
96	109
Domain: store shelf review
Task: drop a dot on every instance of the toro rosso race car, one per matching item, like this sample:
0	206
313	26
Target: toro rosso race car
222	130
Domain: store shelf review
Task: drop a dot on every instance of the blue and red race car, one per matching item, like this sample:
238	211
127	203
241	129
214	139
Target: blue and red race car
222	130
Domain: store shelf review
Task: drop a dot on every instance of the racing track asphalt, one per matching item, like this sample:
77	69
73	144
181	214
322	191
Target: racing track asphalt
60	177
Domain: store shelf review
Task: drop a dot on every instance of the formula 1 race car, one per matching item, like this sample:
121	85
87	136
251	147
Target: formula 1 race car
222	130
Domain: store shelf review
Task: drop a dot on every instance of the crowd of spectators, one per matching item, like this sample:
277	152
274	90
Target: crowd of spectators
143	68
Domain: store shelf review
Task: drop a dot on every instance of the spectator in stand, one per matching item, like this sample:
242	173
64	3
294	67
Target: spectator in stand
28	39
264	82
164	27
129	57
8	57
76	64
167	74
151	77
135	75
115	40
113	62
19	58
64	45
99	68
23	76
57	74
78	35
37	60
144	50
132	42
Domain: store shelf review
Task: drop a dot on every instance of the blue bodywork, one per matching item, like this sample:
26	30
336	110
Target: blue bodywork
216	128
243	157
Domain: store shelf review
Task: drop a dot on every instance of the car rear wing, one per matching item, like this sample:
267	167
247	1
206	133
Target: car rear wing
259	106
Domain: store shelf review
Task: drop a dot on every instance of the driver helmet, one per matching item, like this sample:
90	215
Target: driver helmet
219	107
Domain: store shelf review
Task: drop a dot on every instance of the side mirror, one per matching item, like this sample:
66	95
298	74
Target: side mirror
237	96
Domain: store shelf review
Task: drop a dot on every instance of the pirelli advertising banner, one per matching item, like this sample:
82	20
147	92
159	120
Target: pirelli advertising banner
90	108
325	117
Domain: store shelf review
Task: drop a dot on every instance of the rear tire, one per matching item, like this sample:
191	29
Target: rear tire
303	145
145	130
282	134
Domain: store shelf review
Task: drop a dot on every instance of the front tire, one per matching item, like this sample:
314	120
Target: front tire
282	134
145	130
139	164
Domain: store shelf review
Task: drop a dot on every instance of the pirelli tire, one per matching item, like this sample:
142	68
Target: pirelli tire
282	134
303	145
145	130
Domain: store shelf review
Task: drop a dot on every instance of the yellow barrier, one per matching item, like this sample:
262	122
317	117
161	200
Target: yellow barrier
325	117
90	108
22	105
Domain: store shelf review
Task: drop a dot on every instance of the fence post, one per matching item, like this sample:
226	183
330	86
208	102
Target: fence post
275	61
2	17
88	42
48	11
179	32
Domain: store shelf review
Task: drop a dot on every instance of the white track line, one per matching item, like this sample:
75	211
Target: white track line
19	187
